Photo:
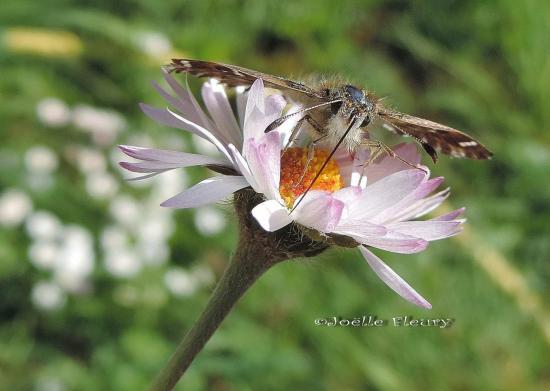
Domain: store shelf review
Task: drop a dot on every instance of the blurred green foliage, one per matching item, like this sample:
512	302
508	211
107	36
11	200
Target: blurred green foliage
480	66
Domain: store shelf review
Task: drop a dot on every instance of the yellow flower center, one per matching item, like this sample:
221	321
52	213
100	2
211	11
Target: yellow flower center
297	174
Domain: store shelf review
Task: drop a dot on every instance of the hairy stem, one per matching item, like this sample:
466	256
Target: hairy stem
256	252
246	266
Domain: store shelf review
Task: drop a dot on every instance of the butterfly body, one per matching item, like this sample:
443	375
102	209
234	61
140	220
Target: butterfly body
353	111
340	113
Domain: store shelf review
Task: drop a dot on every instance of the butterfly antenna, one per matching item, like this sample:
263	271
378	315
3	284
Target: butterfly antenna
327	160
279	121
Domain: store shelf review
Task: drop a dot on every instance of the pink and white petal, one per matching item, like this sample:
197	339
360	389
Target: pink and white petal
274	105
423	206
208	135
167	156
215	99
393	280
394	242
260	172
148	166
358	179
254	113
252	124
141	177
177	103
408	152
185	95
385	193
260	111
159	166
242	97
361	156
208	191
172	119
424	190
388	165
451	215
361	228
392	213
358	169
346	164
256	124
272	155
142	153
285	129
348	194
255	101
264	162
271	215
243	168
164	117
427	230
319	210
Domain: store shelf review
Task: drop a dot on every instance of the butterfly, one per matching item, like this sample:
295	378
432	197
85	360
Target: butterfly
340	113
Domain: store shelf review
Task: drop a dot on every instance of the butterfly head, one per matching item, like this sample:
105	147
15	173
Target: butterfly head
355	103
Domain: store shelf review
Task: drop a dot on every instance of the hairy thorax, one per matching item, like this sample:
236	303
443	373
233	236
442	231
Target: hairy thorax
336	127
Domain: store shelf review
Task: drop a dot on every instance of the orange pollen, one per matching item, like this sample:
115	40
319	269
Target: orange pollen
297	174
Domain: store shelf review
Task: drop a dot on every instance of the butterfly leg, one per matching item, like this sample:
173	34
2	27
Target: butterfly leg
296	130
378	147
310	156
375	152
311	147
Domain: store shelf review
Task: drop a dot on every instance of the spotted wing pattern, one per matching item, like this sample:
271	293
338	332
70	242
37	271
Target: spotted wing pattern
233	75
435	137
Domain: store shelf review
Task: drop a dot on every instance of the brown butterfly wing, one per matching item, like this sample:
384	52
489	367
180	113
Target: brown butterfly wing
233	75
434	136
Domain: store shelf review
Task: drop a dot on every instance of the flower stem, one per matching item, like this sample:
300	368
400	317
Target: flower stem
246	266
256	252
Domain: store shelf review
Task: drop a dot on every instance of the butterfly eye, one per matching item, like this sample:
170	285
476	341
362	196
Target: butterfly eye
365	122
335	107
355	93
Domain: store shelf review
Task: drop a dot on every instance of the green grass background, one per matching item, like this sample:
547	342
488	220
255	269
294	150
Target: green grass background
481	66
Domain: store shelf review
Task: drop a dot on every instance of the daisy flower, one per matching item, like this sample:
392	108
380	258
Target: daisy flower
351	204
